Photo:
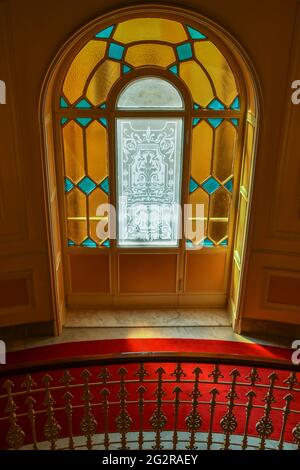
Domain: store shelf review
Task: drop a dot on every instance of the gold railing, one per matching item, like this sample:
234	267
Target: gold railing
151	401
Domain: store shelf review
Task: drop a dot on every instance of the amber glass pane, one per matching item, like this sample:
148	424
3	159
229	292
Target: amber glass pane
150	54
76	203
218	215
235	283
241	226
200	197
202	143
73	151
82	65
224	150
77	230
217	66
96	144
247	158
144	29
104	78
93	232
197	82
96	198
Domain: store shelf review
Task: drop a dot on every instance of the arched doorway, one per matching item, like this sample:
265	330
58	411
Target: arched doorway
80	112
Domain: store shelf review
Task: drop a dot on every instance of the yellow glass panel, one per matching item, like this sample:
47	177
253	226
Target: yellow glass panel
96	144
241	226
79	70
224	150
76	203
145	29
96	198
197	82
219	70
218	213
93	231
248	157
150	54
202	143
77	231
73	151
199	197
235	283
104	78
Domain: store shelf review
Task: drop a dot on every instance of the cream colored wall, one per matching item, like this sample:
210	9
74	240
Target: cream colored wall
31	34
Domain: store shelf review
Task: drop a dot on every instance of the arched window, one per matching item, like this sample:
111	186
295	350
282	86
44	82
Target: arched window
152	112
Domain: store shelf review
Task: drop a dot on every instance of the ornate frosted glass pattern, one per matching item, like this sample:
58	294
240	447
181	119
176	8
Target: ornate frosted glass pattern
150	93
149	156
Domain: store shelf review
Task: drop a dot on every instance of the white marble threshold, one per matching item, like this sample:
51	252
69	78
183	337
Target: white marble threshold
138	318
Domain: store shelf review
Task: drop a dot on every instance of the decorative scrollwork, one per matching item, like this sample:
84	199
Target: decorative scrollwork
264	427
216	374
178	372
296	434
88	423
193	421
158	419
123	421
228	423
253	377
52	429
142	373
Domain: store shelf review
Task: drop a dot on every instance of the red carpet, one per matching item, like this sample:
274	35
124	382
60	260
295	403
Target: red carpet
92	348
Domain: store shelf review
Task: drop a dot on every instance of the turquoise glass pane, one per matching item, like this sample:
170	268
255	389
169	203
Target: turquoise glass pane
224	242
83	104
106	243
184	51
189	243
63	121
229	185
71	243
68	185
194	34
126	68
193	185
102	106
207	243
234	121
87	185
174	69
216	104
196	106
115	51
104	185
196	121
103	121
215	122
88	243
211	185
105	33
63	103
236	104
83	121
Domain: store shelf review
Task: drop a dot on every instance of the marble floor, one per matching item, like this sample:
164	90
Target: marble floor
91	325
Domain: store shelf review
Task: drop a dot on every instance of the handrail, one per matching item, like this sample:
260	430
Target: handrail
146	357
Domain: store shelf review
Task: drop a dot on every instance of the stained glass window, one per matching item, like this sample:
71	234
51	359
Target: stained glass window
114	52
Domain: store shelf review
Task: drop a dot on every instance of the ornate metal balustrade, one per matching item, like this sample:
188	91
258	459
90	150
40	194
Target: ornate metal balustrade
151	401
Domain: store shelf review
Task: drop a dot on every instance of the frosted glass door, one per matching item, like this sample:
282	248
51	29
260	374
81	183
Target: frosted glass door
149	167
